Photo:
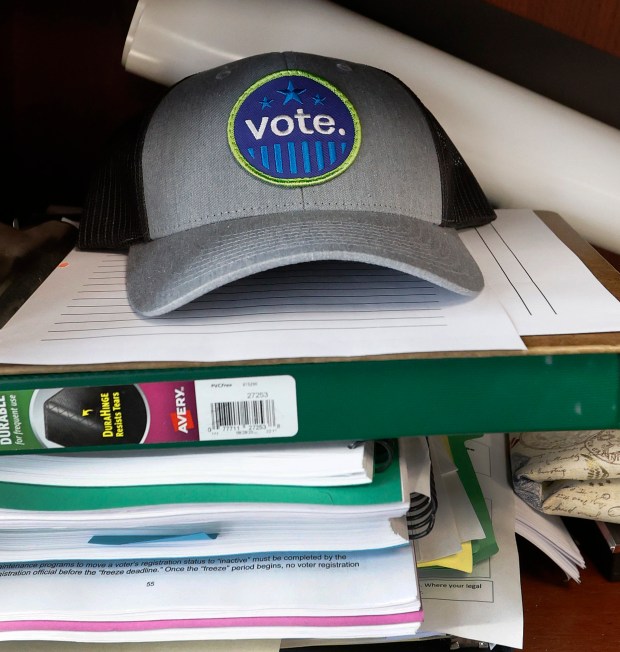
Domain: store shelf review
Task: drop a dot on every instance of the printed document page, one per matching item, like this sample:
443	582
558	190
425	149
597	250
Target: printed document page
248	596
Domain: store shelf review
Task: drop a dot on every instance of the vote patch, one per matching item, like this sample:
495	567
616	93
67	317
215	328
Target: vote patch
293	128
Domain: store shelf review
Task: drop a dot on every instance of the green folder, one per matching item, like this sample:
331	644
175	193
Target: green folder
374	398
481	548
386	487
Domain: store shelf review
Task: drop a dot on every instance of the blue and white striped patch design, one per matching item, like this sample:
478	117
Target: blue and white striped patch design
293	128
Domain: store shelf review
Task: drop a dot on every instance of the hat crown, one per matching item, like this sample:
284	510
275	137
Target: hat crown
192	175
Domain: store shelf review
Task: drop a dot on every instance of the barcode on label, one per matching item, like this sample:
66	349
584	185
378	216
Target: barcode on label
243	413
256	407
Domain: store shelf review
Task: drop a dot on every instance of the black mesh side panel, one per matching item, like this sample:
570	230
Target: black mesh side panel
114	211
464	203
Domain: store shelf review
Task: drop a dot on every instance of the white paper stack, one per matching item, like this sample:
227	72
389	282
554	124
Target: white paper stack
344	595
187	519
209	561
314	465
548	533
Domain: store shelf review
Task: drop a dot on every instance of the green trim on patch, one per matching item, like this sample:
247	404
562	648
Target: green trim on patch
304	160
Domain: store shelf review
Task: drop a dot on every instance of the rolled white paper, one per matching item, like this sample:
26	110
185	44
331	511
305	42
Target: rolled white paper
525	150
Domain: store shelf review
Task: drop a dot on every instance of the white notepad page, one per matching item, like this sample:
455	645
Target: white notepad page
80	315
542	284
534	284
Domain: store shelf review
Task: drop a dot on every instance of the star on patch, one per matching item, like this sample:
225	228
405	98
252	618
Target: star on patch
317	99
292	94
265	103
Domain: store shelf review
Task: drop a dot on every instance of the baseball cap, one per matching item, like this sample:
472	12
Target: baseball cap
277	159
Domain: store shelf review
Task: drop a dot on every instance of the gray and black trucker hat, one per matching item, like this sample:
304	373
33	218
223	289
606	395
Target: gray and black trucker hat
277	159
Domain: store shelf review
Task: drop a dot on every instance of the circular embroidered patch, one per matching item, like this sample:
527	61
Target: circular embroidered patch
293	128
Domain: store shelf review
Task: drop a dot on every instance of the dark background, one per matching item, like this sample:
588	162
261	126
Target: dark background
66	92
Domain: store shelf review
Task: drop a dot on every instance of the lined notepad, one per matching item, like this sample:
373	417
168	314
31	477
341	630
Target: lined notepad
534	285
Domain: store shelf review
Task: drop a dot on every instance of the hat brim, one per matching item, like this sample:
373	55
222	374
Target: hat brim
169	272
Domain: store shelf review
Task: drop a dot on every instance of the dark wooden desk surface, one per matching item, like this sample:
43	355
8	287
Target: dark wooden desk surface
563	616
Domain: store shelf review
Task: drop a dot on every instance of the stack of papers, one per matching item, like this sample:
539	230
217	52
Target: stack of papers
40	522
549	534
463	532
210	561
343	595
327	464
484	605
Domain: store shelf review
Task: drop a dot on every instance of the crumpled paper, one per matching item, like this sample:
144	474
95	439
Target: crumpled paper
568	473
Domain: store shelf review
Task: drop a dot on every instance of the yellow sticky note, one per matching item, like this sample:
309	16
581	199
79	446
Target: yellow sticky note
461	561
